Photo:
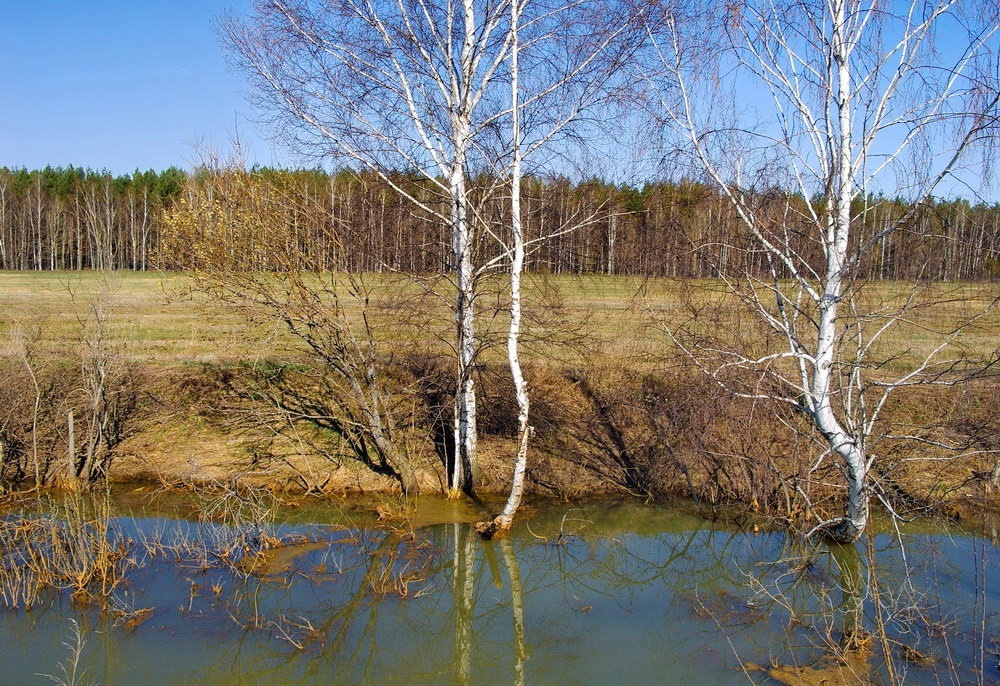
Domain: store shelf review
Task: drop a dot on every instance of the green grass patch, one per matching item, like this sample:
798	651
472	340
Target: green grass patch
572	320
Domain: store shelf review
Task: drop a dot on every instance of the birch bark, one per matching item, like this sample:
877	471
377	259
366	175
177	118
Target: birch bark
859	95
506	517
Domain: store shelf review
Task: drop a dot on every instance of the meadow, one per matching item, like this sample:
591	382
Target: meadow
164	320
618	405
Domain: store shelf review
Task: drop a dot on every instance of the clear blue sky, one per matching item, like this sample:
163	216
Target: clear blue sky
131	85
118	85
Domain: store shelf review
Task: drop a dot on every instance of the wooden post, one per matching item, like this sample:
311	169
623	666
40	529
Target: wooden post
72	445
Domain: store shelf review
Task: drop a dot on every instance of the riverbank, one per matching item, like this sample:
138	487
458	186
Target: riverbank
205	395
194	424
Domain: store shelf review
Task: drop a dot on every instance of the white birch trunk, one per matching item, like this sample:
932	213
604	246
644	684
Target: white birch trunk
463	474
847	447
506	518
846	78
412	86
3	223
144	259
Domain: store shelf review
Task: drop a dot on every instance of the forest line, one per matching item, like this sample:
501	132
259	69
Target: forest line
72	218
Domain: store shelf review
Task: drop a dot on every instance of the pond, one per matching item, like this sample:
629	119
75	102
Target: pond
241	590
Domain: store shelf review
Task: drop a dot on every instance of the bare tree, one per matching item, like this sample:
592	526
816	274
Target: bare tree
504	520
88	382
108	385
547	109
856	97
420	86
240	249
516	269
391	86
25	344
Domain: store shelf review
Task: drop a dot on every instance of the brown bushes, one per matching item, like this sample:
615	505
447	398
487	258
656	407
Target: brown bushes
598	430
601	430
653	434
35	437
958	459
298	417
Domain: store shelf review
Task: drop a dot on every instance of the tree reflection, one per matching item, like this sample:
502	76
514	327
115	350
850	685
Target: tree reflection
463	580
517	605
852	592
617	598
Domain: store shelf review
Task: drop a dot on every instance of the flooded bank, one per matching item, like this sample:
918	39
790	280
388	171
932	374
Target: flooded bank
249	591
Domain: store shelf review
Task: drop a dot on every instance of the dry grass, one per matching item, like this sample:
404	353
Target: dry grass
167	323
615	406
75	548
573	319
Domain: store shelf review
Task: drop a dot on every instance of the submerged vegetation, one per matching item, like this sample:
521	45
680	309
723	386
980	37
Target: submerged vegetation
228	574
73	547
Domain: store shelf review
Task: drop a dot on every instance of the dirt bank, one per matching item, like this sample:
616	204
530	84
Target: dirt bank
598	431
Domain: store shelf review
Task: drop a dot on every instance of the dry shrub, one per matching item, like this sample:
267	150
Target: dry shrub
16	411
960	456
301	420
603	429
34	429
237	528
655	434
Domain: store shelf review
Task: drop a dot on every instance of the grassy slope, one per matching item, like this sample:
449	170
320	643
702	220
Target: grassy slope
586	317
610	321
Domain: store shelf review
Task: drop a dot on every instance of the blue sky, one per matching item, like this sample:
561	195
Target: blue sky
118	85
135	85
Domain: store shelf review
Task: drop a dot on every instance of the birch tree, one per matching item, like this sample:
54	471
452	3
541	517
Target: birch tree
390	86
516	269
856	98
563	86
420	86
504	520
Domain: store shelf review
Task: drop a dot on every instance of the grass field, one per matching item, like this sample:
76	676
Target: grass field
597	336
572	320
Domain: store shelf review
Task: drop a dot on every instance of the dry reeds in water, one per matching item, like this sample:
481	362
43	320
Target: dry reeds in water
74	547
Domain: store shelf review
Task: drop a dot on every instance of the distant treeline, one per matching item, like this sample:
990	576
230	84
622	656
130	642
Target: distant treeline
73	218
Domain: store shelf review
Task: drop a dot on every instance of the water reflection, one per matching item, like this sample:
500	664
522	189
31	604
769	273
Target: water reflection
603	594
852	592
463	584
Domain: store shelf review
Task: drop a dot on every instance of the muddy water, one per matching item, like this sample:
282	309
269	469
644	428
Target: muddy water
592	594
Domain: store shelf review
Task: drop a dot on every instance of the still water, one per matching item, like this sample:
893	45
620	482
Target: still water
598	593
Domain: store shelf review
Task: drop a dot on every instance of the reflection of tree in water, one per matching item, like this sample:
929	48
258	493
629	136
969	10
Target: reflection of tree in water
675	603
447	634
854	613
463	575
517	606
772	599
486	604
